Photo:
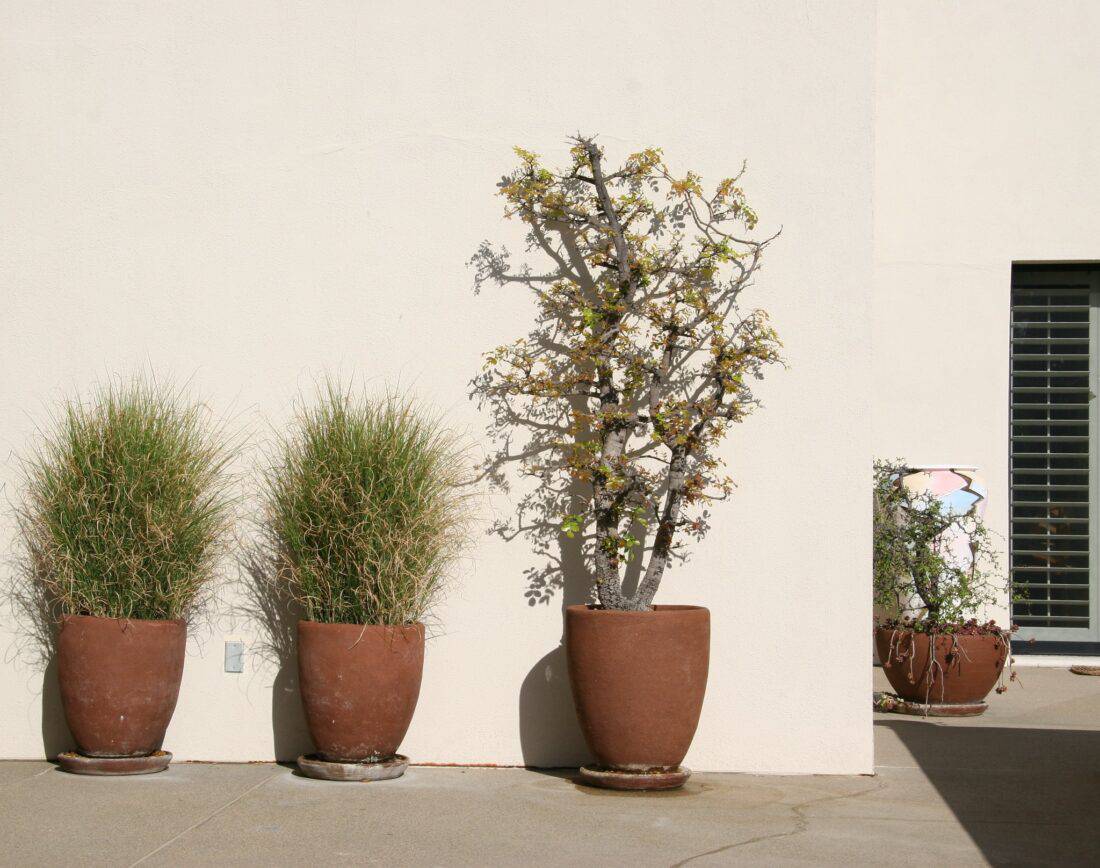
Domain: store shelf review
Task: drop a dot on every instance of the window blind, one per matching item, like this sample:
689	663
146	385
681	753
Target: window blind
1052	459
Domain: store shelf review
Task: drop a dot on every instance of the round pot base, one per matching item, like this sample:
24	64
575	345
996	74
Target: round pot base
312	766
78	764
891	704
614	779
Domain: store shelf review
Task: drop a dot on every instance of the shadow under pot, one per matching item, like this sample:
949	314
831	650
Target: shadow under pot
360	684
944	675
119	680
638	683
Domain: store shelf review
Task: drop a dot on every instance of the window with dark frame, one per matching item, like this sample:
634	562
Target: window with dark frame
1053	454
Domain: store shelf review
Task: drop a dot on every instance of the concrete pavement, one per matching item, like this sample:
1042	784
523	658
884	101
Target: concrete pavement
1019	786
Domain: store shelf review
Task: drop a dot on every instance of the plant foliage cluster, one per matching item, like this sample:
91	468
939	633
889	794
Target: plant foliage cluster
912	563
126	506
365	509
969	627
640	360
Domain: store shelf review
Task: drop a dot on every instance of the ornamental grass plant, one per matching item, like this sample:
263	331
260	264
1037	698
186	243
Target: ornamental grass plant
365	508
126	506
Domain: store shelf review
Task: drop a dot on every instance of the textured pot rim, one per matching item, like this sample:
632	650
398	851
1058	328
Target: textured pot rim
173	621
659	610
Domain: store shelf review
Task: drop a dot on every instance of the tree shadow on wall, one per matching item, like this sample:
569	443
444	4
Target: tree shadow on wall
526	440
550	736
268	604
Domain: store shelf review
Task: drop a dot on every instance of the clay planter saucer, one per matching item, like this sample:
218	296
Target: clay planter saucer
614	779
638	682
78	764
888	703
312	766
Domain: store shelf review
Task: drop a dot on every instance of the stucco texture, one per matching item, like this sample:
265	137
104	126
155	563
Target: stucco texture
986	120
251	194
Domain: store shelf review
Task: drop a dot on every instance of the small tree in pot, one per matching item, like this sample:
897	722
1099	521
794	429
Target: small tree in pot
366	516
640	361
126	507
935	652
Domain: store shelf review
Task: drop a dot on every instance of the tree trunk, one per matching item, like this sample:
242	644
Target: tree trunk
608	581
662	542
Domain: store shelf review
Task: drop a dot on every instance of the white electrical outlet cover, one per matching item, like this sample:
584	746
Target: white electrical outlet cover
234	655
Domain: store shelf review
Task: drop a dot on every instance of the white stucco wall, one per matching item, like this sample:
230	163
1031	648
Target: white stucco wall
986	126
249	194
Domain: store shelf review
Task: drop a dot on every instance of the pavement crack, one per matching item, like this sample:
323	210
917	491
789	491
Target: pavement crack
205	819
801	824
11	785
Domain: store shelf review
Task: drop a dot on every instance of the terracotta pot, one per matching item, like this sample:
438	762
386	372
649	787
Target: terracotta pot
638	682
359	687
966	667
119	682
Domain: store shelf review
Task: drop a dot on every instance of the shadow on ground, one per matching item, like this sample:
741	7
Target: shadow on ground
1025	796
